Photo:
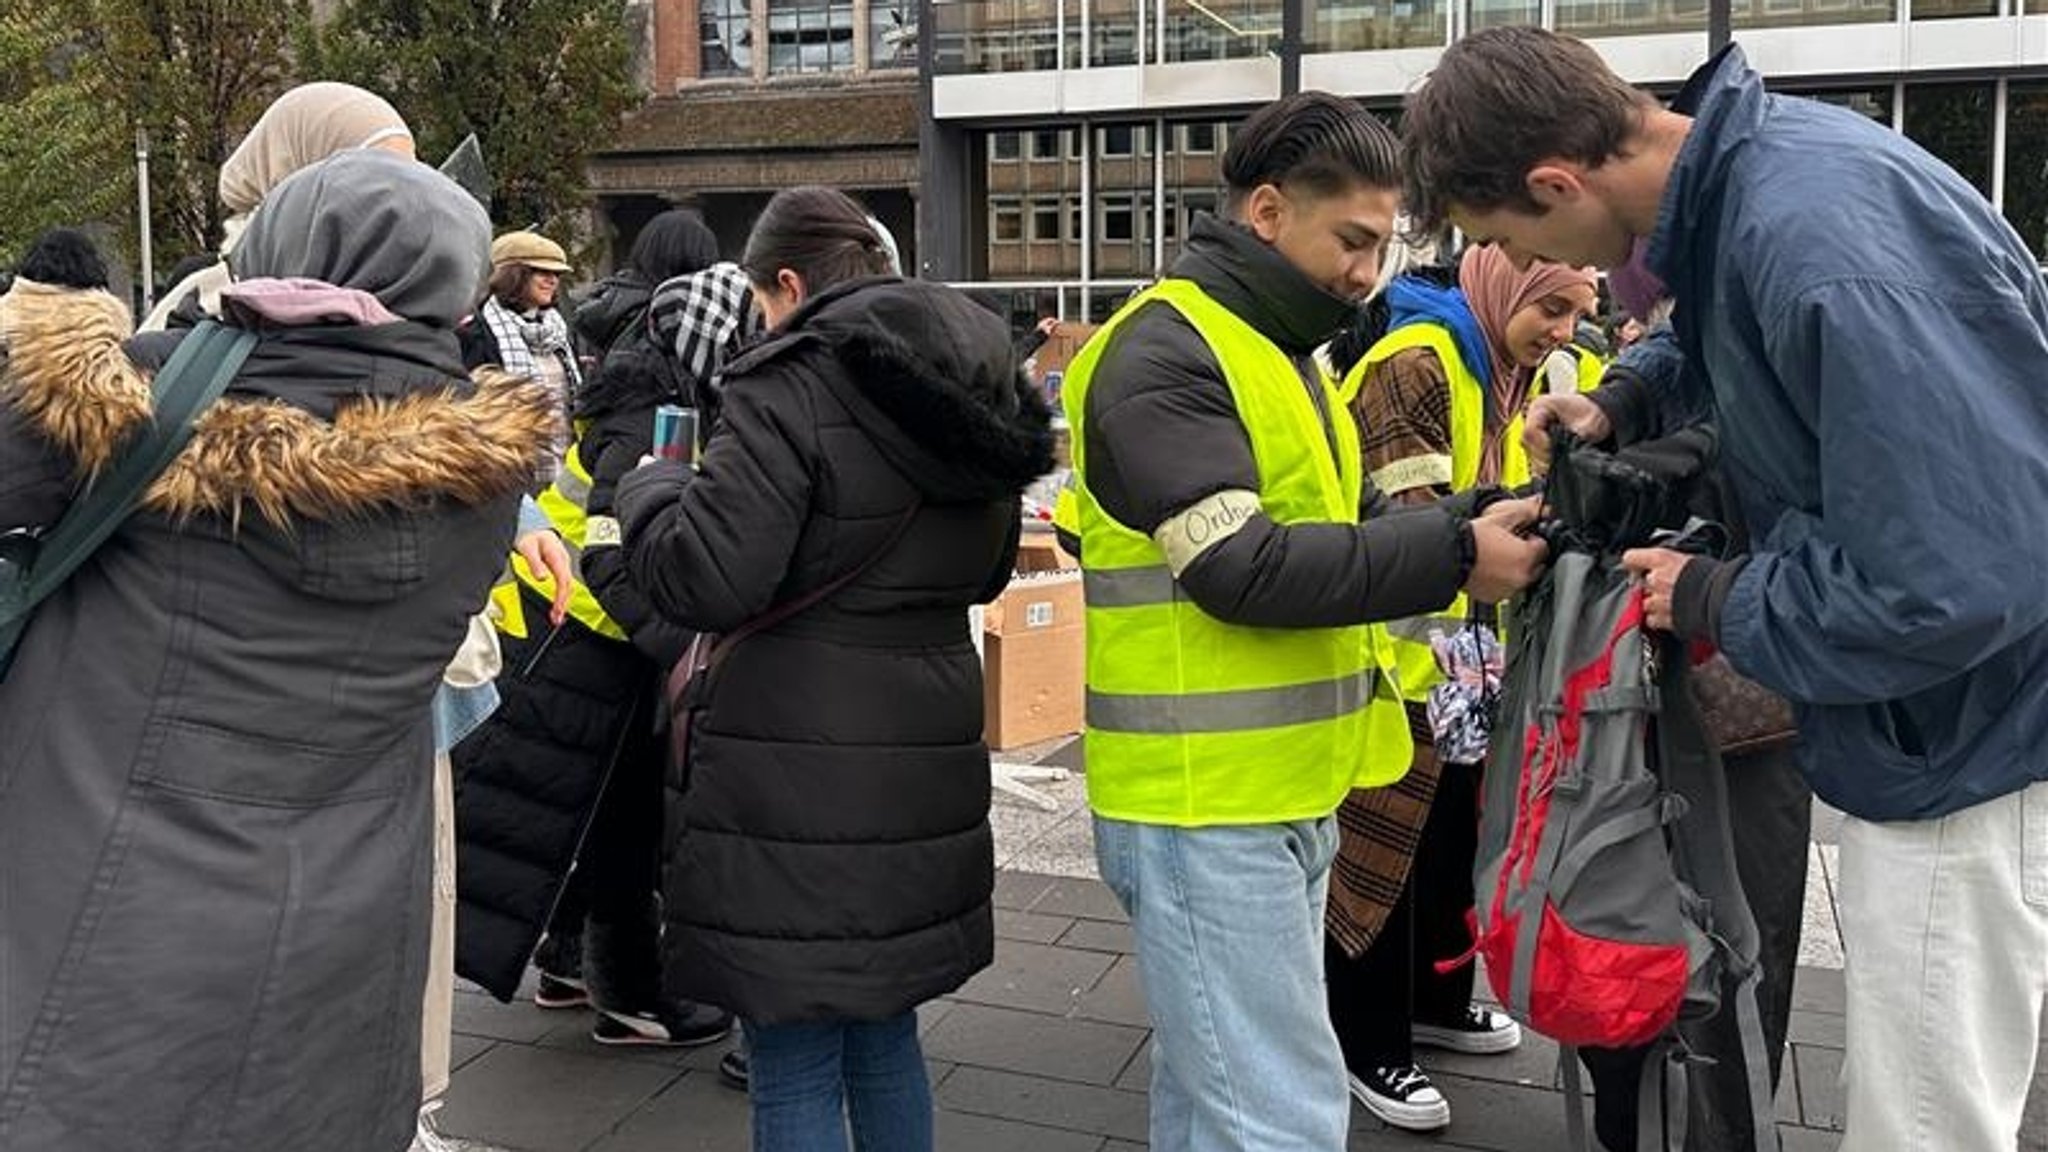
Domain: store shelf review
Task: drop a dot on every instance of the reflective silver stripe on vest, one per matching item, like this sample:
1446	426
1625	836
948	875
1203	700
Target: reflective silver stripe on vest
1415	629
1128	587
575	489
1241	711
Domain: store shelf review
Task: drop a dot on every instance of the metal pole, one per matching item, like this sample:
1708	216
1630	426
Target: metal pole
142	204
1293	29
1720	25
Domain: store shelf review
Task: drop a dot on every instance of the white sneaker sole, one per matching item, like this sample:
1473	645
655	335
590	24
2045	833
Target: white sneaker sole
1470	1043
1408	1117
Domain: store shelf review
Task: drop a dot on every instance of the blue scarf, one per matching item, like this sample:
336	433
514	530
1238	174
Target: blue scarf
1414	300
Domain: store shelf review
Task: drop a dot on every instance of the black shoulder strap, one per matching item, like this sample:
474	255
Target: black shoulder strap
198	372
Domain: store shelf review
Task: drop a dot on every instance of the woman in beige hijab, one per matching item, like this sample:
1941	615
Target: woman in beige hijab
300	128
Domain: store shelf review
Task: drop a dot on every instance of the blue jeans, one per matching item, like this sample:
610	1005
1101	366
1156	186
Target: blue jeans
810	1080
1229	924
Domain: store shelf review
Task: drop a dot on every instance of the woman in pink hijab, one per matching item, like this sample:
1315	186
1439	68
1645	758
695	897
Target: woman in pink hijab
1439	401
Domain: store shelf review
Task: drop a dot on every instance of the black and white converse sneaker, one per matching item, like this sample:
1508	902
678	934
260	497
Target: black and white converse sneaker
1403	1097
1482	1032
677	1024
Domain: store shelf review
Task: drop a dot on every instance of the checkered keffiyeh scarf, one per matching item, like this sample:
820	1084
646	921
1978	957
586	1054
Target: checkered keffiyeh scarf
703	317
520	339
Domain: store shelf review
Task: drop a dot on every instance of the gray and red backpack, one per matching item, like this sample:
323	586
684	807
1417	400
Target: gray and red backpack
1608	907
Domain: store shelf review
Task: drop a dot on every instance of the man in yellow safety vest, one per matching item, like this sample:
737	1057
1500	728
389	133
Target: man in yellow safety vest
1235	690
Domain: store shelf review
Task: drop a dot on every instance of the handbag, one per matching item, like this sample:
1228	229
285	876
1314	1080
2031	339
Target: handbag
1740	714
688	680
31	566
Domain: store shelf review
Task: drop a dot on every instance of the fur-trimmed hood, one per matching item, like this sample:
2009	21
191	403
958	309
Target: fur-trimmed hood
426	438
932	377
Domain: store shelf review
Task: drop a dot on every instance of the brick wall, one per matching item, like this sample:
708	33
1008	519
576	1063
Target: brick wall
677	45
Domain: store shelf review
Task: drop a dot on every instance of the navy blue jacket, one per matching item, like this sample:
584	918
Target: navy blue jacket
1875	338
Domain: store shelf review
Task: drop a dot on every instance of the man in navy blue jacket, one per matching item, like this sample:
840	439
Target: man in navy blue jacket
1872	339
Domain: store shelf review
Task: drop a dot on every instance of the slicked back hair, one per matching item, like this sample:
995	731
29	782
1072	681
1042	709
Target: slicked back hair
1313	143
1499	102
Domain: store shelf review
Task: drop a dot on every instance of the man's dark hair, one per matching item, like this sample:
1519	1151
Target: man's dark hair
1311	142
1499	102
674	243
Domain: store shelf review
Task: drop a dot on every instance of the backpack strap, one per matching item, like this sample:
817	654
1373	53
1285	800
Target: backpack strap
1574	1098
198	372
1703	847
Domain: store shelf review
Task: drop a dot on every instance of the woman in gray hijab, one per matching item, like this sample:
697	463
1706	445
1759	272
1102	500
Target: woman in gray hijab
215	810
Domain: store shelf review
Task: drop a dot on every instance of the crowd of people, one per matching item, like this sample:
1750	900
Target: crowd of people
422	657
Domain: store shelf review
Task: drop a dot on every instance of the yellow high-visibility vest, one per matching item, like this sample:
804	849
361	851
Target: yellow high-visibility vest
1195	721
1415	660
563	503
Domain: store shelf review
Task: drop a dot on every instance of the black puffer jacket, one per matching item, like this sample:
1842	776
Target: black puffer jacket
829	849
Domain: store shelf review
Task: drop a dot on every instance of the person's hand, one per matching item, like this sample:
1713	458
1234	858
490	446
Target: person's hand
1503	563
1659	569
1514	515
543	552
1574	413
1049	326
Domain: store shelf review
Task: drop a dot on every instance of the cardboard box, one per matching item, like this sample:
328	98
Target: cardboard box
1033	671
1041	552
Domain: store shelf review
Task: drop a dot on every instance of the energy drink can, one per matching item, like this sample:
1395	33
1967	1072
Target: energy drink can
675	433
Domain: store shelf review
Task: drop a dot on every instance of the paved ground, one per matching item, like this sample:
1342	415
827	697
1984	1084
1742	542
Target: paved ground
1047	1050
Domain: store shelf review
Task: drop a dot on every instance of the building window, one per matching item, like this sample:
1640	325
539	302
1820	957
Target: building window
1953	121
1045	144
1198	139
1499	13
1372	25
809	36
1004	145
1220	29
1006	221
1118	140
2026	163
726	31
1875	103
1952	9
892	34
1119	220
1045	221
1195	202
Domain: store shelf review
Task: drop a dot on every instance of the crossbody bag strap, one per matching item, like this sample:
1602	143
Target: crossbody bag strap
797	605
197	374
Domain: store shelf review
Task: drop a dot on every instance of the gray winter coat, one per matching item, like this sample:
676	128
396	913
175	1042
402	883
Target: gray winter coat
215	744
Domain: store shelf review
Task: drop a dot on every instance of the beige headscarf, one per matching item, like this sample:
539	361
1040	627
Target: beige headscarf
300	128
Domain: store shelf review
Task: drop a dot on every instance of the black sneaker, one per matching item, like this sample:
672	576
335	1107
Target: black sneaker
1403	1097
677	1024
561	973
1482	1032
733	1071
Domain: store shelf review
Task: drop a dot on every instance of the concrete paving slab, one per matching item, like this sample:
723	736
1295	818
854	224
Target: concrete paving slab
694	1114
462	1049
1036	978
1030	927
1033	1099
1100	936
476	1014
1085	1051
960	1132
1082	899
1117	998
528	1099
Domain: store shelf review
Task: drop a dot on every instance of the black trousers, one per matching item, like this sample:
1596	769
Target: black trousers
610	895
1375	998
1771	809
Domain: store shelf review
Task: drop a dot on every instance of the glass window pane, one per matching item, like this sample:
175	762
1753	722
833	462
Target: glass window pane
1951	9
1198	139
1004	145
1368	25
1114	27
892	34
1041	187
725	31
1045	220
1221	29
1498	13
1875	103
2026	164
1953	121
1006	221
977	36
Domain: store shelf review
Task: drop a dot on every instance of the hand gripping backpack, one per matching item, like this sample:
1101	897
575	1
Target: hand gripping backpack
1608	906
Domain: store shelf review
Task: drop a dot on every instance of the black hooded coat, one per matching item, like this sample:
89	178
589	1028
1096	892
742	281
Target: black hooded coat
828	847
